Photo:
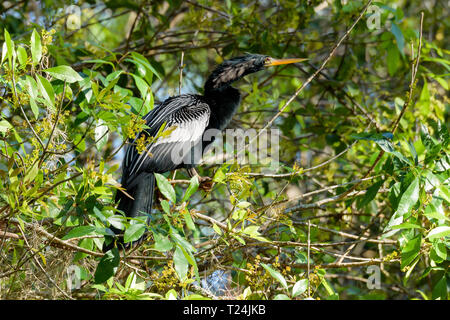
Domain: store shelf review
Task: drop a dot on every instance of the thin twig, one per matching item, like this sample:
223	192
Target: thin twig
181	67
309	257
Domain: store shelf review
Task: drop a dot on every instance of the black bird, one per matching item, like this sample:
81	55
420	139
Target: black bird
188	116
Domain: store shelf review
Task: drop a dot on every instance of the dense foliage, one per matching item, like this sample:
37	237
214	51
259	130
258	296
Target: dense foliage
356	209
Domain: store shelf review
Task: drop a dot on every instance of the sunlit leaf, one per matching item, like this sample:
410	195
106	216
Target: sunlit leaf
64	73
165	187
134	232
275	274
36	47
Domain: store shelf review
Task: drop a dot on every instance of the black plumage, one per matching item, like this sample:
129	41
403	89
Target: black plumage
188	116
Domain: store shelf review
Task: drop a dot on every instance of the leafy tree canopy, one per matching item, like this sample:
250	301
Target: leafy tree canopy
355	208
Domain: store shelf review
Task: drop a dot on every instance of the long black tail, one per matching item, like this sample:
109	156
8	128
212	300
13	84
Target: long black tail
141	190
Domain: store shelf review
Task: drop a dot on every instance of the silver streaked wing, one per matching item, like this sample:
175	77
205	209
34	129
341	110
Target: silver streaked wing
187	123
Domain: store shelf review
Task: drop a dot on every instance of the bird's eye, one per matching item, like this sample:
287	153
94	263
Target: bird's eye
267	61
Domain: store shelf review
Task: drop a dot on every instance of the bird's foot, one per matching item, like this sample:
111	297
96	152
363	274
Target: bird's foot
205	183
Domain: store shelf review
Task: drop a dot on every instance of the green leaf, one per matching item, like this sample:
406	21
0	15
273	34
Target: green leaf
439	252
193	186
195	296
407	201
276	275
424	296
64	73
180	262
219	176
162	243
31	85
107	266
31	174
409	198
439	232
34	107
165	187
137	57
99	61
113	76
183	243
370	194
146	94
383	141
165	206
281	296
4	52
4	126
444	192
441	81
98	213
300	287
187	250
372	136
36	47
388	147
171	295
334	296
187	217
393	60
79	232
134	232
445	63
407	225
242	241
22	56
116	221
10	48
46	91
434	211
243	204
217	229
440	289
101	134
327	287
253	232
400	39
410	251
33	91
141	85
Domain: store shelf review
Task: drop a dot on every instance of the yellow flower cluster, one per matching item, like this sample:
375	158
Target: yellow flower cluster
142	143
165	280
314	278
47	38
135	126
44	127
256	276
391	256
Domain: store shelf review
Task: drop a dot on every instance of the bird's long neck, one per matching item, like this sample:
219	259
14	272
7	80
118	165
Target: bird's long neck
222	98
223	105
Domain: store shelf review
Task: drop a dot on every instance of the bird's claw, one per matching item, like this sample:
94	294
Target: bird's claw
205	183
203	179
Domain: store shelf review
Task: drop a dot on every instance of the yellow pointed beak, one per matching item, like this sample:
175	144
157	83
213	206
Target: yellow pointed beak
276	62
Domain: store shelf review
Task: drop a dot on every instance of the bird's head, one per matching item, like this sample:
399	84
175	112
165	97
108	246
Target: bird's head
238	67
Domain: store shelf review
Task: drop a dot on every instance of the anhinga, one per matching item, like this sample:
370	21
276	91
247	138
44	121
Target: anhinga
188	116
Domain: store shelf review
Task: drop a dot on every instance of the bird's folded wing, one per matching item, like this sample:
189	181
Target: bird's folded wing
185	118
